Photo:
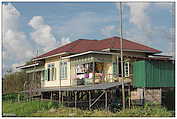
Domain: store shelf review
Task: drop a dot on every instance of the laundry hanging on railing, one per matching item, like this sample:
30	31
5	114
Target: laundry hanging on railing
83	68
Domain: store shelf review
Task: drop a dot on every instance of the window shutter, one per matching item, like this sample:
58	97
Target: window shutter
65	70
60	70
42	75
54	74
51	74
115	69
46	75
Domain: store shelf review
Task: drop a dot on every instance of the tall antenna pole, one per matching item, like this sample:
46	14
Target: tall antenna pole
121	55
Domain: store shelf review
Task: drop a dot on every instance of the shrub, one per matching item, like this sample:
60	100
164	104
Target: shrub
13	97
52	109
146	111
27	108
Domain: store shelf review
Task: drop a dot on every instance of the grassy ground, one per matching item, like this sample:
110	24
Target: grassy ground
50	109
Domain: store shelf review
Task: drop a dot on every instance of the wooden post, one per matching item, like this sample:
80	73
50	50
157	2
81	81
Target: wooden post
41	96
93	72
62	97
51	94
106	100
18	97
117	67
129	99
66	93
90	101
59	96
75	99
144	96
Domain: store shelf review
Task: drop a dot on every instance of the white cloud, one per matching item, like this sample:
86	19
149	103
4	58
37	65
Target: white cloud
16	47
167	5
65	40
10	17
82	24
108	30
144	32
16	44
138	15
169	36
42	34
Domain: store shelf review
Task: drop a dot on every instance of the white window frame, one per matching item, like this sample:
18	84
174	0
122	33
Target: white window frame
51	68
63	70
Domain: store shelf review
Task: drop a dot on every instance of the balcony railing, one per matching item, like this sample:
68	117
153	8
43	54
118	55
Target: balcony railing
100	78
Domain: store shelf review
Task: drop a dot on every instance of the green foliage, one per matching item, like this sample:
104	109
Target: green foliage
51	109
149	110
8	97
13	97
13	82
61	112
27	108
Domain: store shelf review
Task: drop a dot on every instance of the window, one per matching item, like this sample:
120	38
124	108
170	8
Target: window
43	75
115	70
50	72
63	70
126	69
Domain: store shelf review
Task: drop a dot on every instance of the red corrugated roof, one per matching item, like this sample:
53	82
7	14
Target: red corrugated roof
83	45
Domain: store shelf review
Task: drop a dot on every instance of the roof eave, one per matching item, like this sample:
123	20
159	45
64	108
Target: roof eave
99	52
27	66
145	51
59	54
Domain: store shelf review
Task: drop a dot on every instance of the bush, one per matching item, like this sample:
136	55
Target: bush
52	109
12	97
146	111
27	108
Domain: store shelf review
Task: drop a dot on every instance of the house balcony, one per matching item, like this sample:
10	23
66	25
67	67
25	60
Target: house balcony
99	78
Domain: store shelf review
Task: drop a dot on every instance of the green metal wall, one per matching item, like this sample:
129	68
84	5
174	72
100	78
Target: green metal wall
153	74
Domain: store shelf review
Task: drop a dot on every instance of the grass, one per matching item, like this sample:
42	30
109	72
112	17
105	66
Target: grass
27	108
50	109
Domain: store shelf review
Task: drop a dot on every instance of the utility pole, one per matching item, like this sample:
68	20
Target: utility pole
121	55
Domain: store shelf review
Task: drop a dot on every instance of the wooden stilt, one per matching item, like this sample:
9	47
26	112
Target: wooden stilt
106	100
93	72
75	99
51	94
41	96
129	99
59	96
90	100
18	97
97	99
62	97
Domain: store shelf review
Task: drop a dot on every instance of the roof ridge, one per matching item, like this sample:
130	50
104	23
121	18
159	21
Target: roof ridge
76	43
141	44
57	48
131	42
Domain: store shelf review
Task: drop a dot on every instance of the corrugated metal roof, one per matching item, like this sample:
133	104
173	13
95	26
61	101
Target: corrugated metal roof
101	86
84	45
151	58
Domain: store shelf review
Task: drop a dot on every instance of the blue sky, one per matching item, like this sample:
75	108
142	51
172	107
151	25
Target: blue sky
44	26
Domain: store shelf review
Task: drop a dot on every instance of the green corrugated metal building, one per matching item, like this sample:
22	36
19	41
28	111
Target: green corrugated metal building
153	74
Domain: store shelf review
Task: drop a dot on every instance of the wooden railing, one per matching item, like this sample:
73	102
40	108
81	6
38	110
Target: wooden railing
112	78
102	78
